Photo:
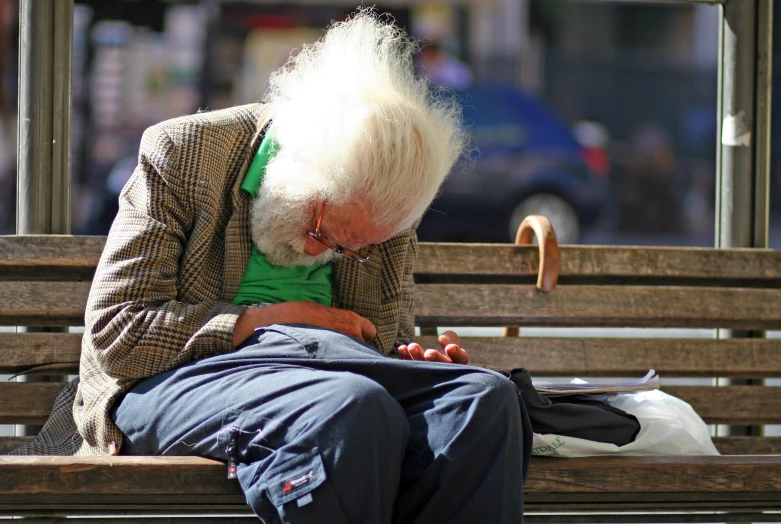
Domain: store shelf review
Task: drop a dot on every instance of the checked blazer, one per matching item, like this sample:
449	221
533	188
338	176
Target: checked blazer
162	293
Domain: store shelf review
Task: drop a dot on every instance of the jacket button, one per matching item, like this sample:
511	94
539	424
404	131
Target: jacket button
112	448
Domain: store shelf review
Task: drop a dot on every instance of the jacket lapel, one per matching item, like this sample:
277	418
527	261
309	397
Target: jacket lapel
238	239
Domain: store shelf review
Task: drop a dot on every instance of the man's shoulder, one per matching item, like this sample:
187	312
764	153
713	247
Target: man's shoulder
206	124
206	143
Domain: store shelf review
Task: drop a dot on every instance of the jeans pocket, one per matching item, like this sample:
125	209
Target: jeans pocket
295	479
297	492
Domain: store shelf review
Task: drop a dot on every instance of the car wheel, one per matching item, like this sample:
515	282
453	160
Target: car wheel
561	214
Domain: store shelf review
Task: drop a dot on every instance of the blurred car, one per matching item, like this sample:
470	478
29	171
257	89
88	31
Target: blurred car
527	162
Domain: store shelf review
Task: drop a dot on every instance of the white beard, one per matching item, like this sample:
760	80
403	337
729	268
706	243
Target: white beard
279	229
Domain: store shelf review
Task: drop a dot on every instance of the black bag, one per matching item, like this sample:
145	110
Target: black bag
578	416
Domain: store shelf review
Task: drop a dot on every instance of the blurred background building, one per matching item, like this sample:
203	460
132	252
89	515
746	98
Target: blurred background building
600	115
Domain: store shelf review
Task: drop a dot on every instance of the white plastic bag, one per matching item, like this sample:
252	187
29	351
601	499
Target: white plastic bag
668	426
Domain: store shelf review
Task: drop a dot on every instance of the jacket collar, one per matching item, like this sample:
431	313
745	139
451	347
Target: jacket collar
238	239
263	123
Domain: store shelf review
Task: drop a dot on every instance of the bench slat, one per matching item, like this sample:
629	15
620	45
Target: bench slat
725	445
731	404
72	257
62	303
716	405
616	306
25	303
544	356
8	444
600	507
601	261
748	445
726	474
50	257
152	517
625	357
44	352
27	402
108	475
20	476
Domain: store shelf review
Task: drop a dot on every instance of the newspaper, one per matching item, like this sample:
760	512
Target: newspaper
580	387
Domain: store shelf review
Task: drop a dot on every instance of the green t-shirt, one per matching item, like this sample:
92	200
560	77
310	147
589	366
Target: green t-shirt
264	282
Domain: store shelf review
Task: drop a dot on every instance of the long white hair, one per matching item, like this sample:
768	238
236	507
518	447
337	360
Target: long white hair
355	125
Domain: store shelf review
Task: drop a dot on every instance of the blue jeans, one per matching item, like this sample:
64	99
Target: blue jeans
324	429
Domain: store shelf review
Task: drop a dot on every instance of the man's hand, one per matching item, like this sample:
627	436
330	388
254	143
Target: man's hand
312	313
451	350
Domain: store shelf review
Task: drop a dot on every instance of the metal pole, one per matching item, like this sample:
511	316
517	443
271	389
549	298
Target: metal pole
743	162
34	153
61	114
762	124
43	149
735	214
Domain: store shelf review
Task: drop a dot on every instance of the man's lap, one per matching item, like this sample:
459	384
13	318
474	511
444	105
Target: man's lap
280	369
376	428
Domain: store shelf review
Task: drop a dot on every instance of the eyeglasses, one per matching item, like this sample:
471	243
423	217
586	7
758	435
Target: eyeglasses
349	253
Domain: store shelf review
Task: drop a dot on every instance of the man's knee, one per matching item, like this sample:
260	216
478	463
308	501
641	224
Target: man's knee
493	395
359	409
368	401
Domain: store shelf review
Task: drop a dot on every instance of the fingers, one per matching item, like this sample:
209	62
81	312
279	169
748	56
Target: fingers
449	337
416	351
452	344
413	351
457	354
433	355
453	353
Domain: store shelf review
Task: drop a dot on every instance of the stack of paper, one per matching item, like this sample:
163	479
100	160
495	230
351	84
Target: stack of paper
579	387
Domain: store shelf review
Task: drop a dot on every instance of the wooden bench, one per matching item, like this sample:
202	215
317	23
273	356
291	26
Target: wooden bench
44	281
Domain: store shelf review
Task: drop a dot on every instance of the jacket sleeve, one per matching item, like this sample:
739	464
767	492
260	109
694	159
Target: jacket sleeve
406	331
136	324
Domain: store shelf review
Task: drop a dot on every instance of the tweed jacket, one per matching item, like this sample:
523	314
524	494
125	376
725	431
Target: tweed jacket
162	293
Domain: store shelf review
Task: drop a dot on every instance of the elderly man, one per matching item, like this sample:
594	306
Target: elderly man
254	303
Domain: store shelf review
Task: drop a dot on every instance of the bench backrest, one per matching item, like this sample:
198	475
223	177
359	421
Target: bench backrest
44	282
